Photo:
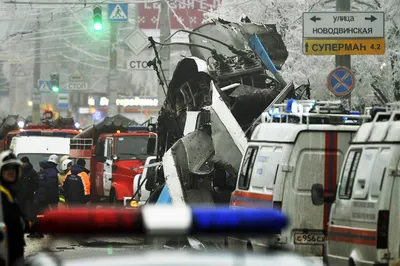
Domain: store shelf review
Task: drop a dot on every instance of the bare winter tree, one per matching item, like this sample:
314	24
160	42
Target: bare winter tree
379	72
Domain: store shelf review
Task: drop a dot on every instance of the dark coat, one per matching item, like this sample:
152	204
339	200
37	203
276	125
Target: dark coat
27	184
73	186
16	224
47	192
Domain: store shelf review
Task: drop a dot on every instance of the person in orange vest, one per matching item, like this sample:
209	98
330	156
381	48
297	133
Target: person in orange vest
76	184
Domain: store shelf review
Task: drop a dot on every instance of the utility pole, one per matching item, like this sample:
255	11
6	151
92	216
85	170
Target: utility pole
344	60
165	32
36	76
112	75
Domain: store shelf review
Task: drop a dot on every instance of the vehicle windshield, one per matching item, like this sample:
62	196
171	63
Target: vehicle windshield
135	147
36	158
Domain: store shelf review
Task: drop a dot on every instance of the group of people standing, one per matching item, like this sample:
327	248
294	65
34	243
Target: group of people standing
27	194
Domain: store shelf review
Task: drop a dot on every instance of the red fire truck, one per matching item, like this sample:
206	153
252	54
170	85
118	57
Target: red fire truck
61	127
116	150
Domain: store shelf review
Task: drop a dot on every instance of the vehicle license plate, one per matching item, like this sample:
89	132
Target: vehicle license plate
309	238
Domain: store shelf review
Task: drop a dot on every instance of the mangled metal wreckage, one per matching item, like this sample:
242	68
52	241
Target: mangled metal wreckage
214	97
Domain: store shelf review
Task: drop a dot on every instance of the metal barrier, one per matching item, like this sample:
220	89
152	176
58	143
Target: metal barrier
81	144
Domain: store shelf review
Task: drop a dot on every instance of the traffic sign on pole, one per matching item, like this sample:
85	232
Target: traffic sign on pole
19	71
63	100
118	12
333	25
76	75
138	63
344	47
44	86
77	86
36	97
137	41
341	81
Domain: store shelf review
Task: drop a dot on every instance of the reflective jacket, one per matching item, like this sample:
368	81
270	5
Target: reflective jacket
76	186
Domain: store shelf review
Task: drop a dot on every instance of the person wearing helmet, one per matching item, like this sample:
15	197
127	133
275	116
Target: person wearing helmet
47	194
14	219
65	167
61	175
76	185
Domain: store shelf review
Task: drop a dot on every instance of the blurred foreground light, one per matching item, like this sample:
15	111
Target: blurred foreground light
163	221
30	103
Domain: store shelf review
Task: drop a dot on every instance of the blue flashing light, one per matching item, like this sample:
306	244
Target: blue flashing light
60	134
138	128
289	106
273	111
97	115
224	220
30	133
355	112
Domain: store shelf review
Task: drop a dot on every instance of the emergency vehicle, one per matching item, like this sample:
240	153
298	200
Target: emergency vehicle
163	221
62	127
116	151
38	148
297	145
365	215
141	193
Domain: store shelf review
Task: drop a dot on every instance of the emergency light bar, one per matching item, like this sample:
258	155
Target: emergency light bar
30	133
307	109
42	133
60	134
163	221
137	128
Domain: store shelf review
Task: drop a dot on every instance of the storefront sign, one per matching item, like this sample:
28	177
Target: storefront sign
125	102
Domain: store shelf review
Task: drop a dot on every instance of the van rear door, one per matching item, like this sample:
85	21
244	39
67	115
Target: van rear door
317	158
353	218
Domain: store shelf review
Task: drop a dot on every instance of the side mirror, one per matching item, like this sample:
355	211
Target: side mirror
317	194
151	176
151	146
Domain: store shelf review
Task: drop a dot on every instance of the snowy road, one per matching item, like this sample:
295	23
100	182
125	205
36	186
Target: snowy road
74	247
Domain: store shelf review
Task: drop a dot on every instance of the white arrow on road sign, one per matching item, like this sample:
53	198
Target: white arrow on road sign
118	13
333	25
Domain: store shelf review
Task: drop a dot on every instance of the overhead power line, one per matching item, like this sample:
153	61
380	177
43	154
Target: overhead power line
77	3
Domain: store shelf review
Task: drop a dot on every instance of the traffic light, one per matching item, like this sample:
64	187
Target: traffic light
97	18
55	82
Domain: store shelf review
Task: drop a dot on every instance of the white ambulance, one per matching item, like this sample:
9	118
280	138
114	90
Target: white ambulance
38	148
293	149
364	225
